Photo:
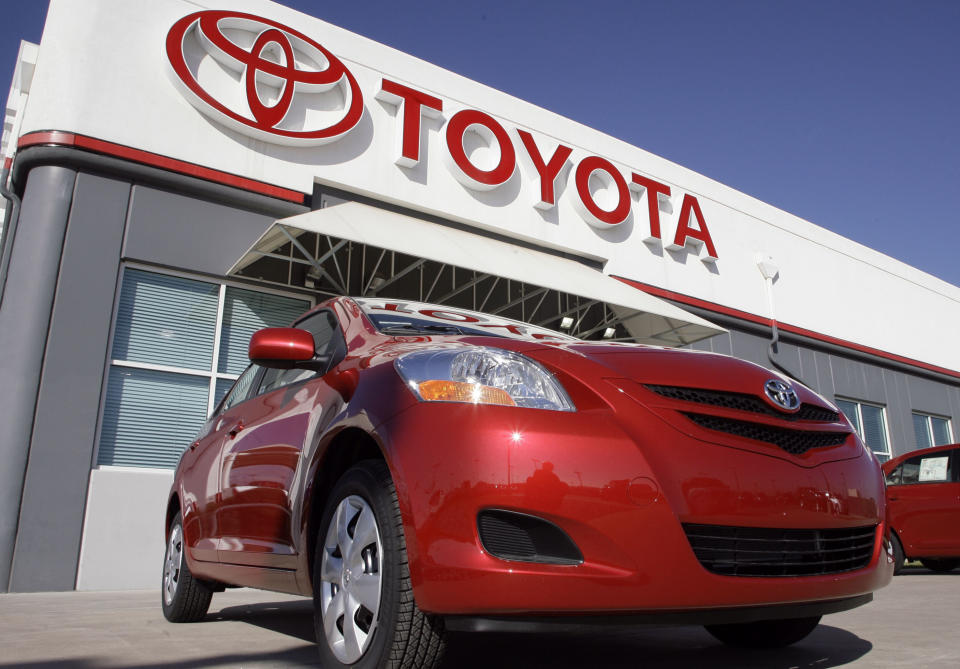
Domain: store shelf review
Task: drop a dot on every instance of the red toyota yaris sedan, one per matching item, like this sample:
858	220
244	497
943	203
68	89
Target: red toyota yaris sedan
923	507
420	468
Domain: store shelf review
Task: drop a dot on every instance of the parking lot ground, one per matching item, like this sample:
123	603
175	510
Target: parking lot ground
911	623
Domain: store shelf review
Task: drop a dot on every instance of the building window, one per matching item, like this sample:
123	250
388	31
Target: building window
931	430
870	423
178	346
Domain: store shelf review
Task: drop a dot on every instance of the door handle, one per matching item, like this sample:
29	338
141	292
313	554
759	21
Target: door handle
236	429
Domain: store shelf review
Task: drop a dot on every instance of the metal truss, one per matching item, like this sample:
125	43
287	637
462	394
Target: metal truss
332	266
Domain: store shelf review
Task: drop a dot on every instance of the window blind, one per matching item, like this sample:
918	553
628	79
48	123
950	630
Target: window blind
149	417
166	320
245	312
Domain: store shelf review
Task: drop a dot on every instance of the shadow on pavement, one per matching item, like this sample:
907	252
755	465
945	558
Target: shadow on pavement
295	657
612	647
651	647
609	647
291	618
923	571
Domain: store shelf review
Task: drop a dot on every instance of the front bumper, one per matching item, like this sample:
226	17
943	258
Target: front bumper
590	473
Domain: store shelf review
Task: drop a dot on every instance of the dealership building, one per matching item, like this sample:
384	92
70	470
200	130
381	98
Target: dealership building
176	177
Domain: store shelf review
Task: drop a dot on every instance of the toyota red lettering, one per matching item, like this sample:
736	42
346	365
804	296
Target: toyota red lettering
412	104
610	176
296	92
548	171
653	189
491	133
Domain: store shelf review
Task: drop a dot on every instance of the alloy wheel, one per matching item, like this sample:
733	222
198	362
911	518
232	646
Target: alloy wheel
351	579
172	564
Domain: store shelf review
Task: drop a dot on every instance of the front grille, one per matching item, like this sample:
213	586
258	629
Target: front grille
795	442
758	551
743	402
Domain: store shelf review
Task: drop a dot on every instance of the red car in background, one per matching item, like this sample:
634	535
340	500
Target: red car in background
419	468
923	507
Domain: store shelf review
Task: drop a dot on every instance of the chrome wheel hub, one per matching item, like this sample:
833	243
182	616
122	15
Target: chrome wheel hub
172	565
350	579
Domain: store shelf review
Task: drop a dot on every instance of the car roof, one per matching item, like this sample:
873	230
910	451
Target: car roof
890	464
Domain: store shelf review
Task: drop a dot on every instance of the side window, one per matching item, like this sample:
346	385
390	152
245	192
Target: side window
927	469
893	478
242	388
327	340
277	378
327	337
869	420
931	430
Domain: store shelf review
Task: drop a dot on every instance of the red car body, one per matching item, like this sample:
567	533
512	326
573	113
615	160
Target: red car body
923	504
665	449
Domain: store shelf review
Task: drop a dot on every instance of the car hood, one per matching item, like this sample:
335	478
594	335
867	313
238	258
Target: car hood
708	396
686	368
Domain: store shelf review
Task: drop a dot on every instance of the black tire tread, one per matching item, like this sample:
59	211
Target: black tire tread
192	599
419	640
899	559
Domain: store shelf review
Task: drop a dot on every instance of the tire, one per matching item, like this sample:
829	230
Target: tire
360	565
764	633
899	559
184	598
940	565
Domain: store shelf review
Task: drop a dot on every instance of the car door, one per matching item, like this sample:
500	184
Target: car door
923	508
200	473
261	460
952	538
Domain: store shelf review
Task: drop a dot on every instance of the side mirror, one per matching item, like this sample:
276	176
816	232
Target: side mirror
281	348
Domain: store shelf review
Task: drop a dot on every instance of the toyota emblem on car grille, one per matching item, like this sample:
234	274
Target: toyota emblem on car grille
781	394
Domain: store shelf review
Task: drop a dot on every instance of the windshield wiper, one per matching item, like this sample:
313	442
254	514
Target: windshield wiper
408	328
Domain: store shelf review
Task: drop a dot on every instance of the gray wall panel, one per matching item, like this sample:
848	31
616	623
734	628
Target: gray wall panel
722	343
61	450
702	345
24	320
897	400
849	381
825	383
750	347
188	233
788	357
808	367
954	394
873	382
928	397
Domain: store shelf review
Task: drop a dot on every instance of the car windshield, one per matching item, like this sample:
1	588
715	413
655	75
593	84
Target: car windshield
406	318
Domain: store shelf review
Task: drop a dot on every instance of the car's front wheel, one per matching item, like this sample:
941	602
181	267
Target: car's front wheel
764	633
940	565
364	611
899	559
184	598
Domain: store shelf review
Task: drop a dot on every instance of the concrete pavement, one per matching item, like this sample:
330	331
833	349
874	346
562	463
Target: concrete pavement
912	623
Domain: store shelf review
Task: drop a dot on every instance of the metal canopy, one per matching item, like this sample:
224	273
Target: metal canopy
355	249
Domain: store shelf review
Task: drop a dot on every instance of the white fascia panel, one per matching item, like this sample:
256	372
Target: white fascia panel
102	72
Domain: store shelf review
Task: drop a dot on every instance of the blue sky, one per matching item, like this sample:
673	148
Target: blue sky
844	113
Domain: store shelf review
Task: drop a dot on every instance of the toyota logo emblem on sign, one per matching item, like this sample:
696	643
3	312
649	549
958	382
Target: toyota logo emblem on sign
782	395
291	90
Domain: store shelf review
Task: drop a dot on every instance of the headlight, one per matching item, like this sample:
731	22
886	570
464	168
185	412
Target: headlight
481	375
